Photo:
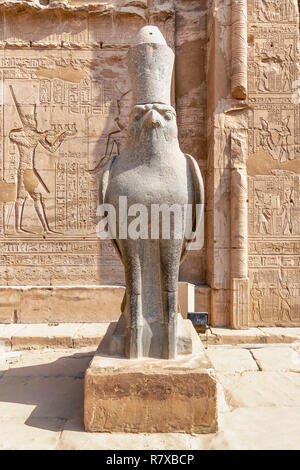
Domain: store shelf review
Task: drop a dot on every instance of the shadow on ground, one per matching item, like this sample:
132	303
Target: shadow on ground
45	395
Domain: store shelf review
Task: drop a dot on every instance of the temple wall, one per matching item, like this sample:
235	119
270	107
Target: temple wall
63	74
273	165
65	66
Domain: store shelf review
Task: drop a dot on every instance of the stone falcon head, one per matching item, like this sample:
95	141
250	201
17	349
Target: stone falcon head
153	121
150	65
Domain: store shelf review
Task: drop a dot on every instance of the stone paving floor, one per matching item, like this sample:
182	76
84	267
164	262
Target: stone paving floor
41	402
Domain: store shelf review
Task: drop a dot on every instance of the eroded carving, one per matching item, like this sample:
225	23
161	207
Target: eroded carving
274	212
29	182
69	76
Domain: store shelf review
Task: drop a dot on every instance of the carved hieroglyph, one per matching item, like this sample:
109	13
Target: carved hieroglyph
65	97
274	163
65	65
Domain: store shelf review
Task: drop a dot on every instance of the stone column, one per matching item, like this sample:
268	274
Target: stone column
226	186
239	49
218	164
239	230
239	298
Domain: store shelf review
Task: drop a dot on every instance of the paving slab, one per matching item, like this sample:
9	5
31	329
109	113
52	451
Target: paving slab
231	359
260	389
41	434
74	437
45	336
52	363
273	428
282	358
40	397
222	405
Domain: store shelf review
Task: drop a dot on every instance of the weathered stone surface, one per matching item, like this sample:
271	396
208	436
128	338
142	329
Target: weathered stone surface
259	427
41	434
89	334
231	359
280	358
150	395
202	299
51	363
43	336
71	304
6	333
228	336
63	304
281	335
186	298
252	389
9	305
273	428
60	304
187	341
74	437
237	101
30	397
273	163
67	91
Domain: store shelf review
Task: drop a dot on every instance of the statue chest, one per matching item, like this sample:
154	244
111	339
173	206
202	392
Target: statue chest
151	184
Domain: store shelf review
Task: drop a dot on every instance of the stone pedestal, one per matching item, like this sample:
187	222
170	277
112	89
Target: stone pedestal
150	395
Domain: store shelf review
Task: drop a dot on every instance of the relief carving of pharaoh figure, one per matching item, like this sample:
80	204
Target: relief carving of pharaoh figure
29	182
151	170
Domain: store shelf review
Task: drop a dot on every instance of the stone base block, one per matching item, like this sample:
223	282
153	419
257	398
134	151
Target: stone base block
150	395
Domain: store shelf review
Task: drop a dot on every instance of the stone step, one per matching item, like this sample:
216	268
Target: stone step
251	336
60	335
21	336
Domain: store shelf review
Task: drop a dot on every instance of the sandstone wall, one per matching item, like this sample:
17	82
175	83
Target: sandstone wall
63	72
273	165
64	65
253	163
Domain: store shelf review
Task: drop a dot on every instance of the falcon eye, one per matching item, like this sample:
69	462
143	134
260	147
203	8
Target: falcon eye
168	116
137	117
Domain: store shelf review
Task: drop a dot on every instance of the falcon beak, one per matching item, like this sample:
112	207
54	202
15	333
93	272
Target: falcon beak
152	119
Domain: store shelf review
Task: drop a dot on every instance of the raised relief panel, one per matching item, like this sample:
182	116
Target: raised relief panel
274	130
274	163
272	61
273	11
275	297
63	114
274	206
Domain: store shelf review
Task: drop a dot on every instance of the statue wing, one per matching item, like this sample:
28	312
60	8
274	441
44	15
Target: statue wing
105	178
104	185
198	202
